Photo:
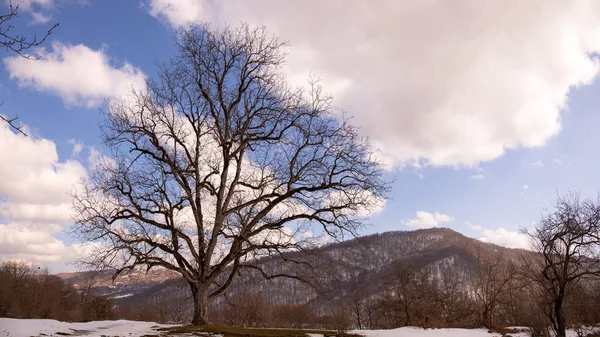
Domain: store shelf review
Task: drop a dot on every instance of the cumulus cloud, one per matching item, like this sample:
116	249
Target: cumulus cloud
478	175
431	83
428	220
77	147
178	13
40	18
504	237
34	200
31	171
81	76
36	212
28	5
536	164
38	9
19	241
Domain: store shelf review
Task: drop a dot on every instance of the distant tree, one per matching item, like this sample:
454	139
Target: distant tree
410	296
340	321
12	41
172	304
454	301
248	310
291	316
357	307
221	162
490	279
515	303
566	243
27	291
98	308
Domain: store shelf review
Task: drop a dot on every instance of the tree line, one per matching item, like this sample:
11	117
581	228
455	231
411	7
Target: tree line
28	291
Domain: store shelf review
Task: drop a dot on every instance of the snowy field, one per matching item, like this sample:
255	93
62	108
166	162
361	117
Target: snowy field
10	327
46	327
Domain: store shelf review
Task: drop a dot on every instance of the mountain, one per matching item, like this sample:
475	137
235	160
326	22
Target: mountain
337	271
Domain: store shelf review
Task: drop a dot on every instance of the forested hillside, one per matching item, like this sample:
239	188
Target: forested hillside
350	279
433	277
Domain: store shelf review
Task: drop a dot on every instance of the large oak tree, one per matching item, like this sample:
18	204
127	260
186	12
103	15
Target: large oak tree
218	162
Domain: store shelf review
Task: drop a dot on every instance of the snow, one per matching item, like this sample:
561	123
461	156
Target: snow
123	296
420	332
10	327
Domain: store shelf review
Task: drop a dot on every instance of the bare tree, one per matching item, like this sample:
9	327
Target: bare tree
452	296
246	309
490	279
410	295
356	303
19	44
567	243
220	162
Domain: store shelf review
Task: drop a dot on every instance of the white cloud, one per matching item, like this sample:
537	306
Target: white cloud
77	147
537	163
36	212
34	200
475	227
427	220
479	175
525	187
40	18
435	83
96	158
557	161
79	75
36	8
31	171
504	237
178	13
366	203
27	5
19	241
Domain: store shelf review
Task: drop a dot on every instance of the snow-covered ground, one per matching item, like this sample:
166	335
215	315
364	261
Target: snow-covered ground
420	332
10	327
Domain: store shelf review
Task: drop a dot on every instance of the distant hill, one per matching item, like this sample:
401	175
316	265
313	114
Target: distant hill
338	269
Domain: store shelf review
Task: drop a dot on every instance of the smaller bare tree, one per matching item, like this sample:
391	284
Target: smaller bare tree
410	295
453	298
567	243
491	278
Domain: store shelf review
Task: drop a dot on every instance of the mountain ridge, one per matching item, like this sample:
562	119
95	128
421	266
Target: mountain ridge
339	268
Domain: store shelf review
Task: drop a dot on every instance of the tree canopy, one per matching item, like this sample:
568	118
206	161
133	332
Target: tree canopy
219	161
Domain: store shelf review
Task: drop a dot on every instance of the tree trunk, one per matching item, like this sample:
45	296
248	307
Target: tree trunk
200	296
560	325
485	318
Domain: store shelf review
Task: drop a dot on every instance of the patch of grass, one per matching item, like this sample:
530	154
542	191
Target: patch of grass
234	331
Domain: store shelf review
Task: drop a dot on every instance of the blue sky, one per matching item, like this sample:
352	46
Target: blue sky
483	113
